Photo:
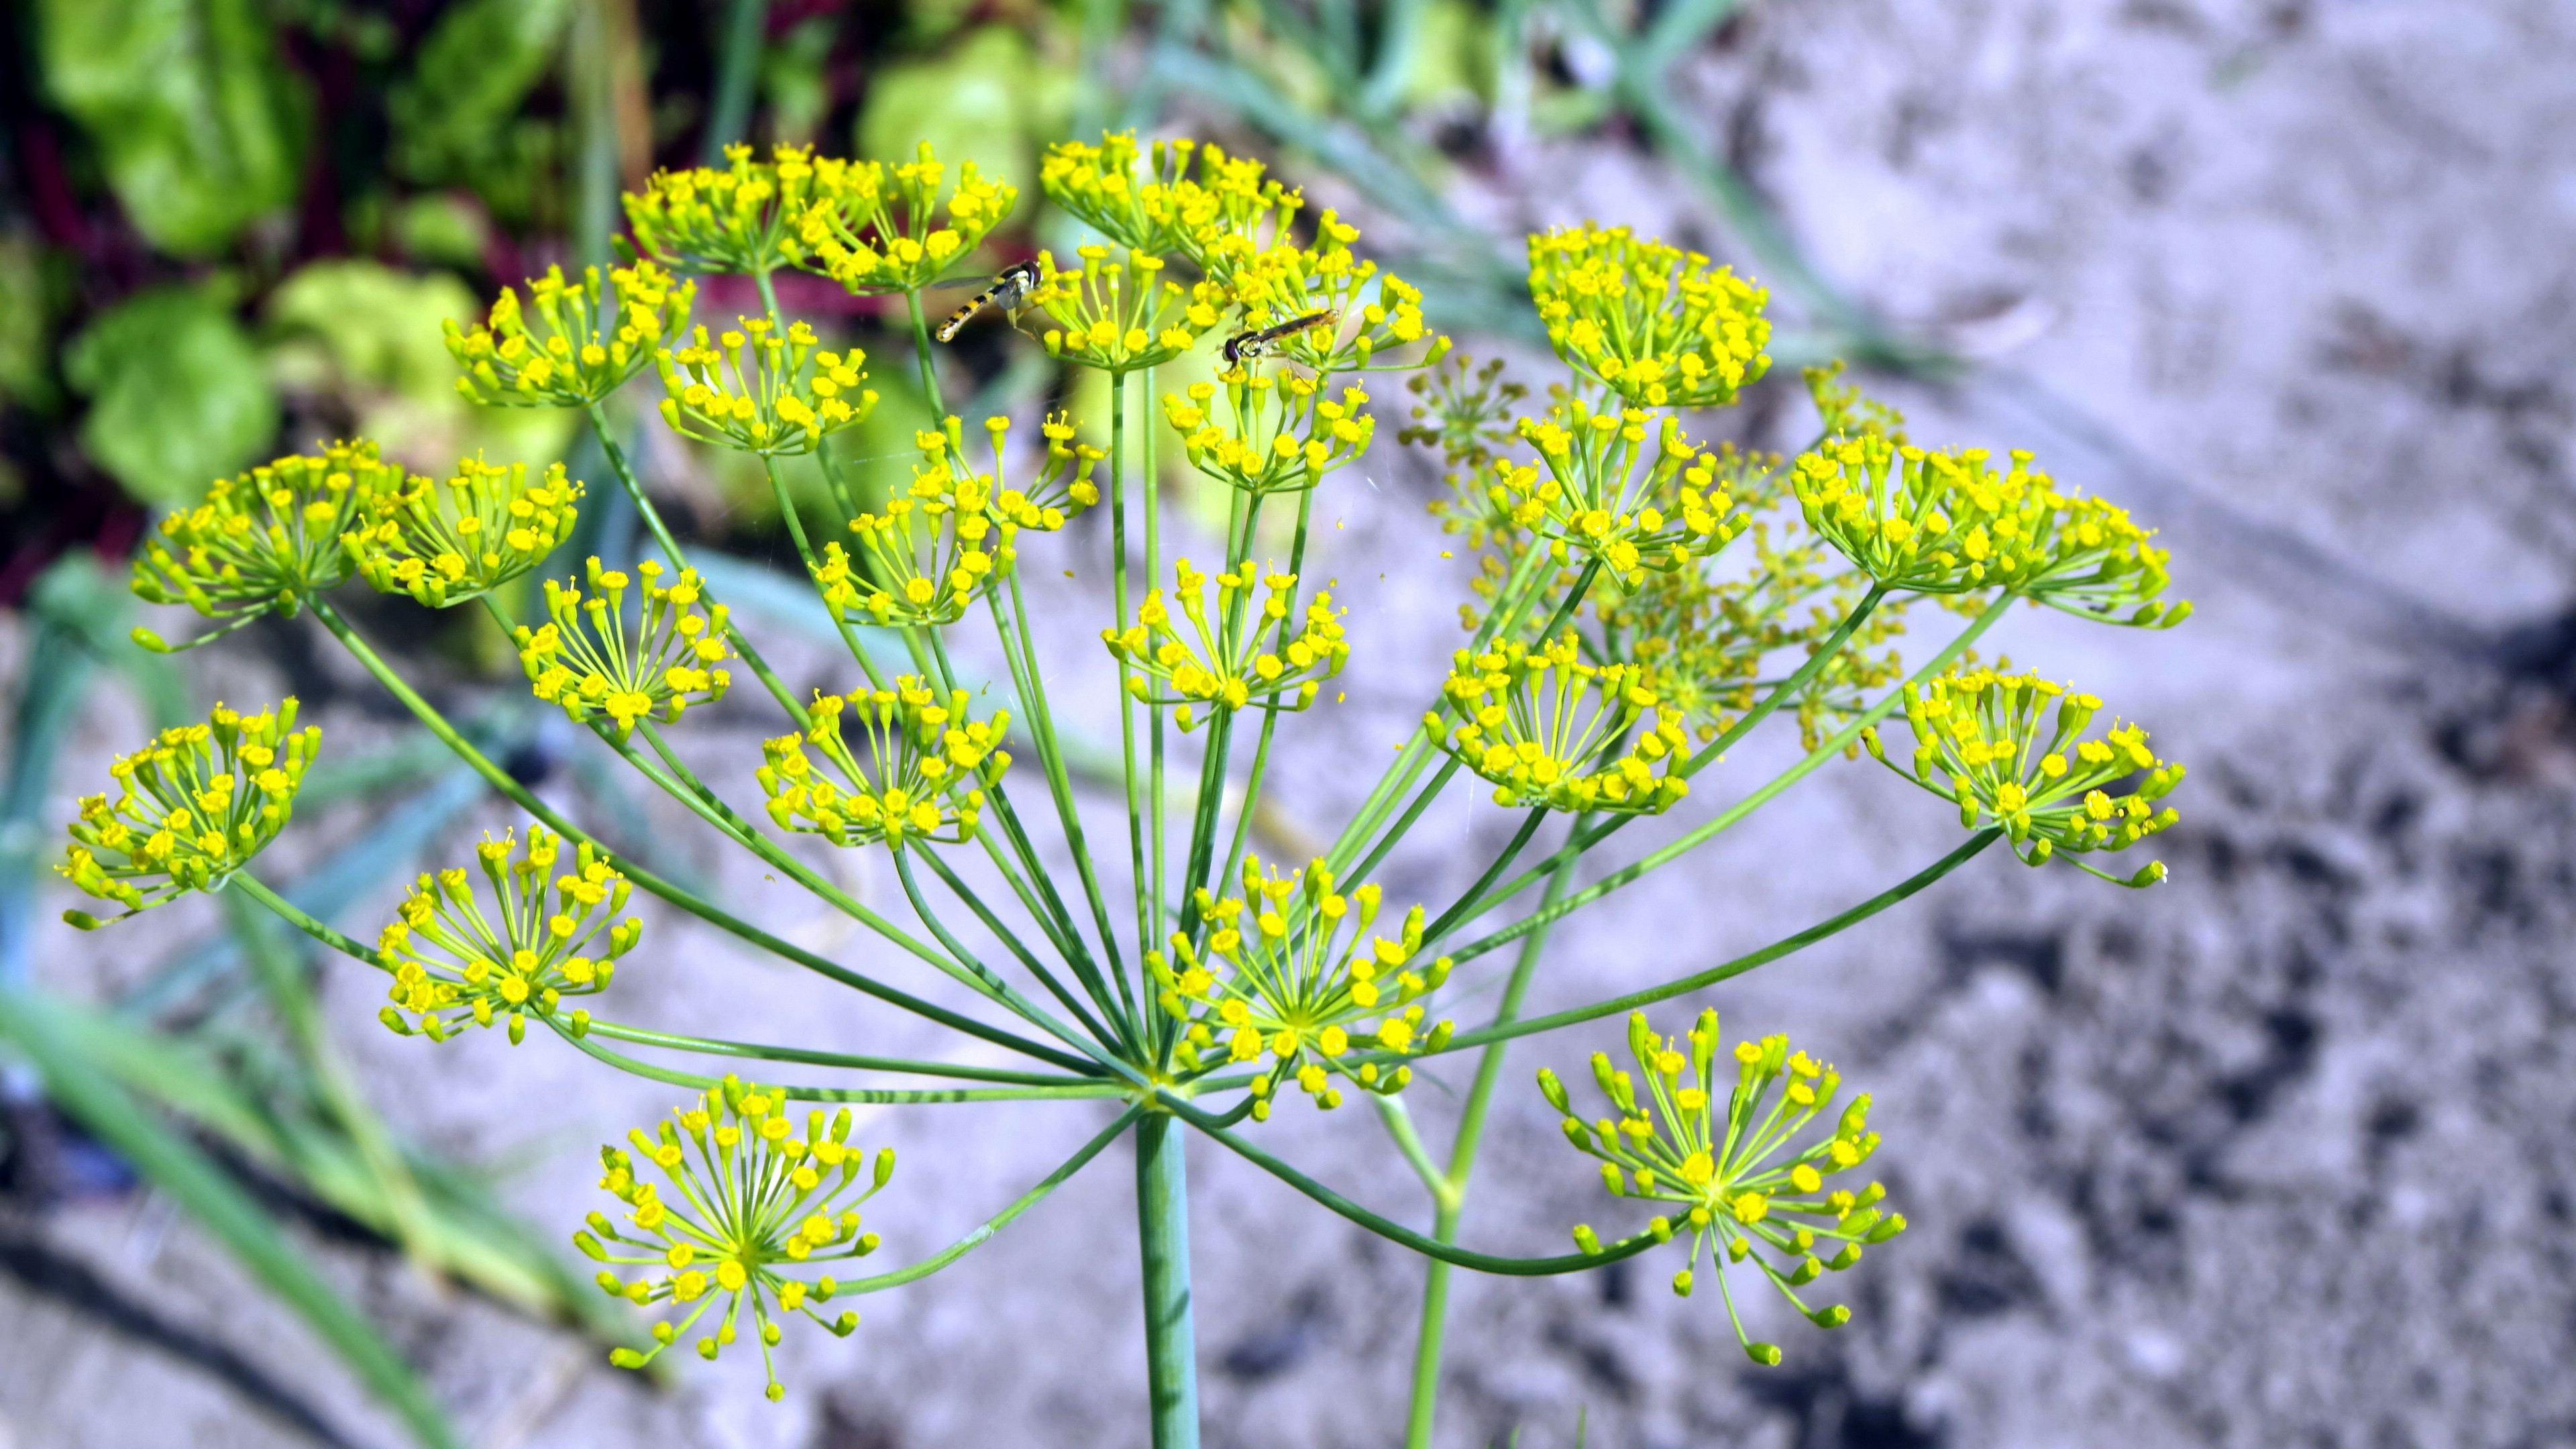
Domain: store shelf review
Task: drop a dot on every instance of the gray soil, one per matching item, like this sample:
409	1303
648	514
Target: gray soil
2277	1153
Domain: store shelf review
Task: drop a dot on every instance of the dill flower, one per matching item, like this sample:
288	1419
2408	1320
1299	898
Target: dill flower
447	544
1648	321
740	219
1232	210
928	762
757	1207
1302	982
1949	522
1101	187
951	535
1744	1188
1980	732
1371	311
1596	489
1553	731
586	346
453	965
263	540
588	661
1120	316
748	388
1282	433
192	807
875	227
1222	660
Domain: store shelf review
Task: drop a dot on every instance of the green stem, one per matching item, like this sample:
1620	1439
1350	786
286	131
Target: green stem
1032	684
910	1096
1163	1237
1785	946
653	884
702	802
1392	1230
982	977
764	1052
929	368
1142	876
998	1221
1012	943
297	917
1449	1203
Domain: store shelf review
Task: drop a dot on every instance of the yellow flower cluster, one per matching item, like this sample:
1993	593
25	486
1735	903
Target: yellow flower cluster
263	540
1541	723
1378	311
447	544
452	964
876	227
1282	433
192	807
741	219
1597	490
1100	187
1950	522
748	388
947	537
927	765
1980	732
588	345
1651	323
1120	316
1223	662
1214	210
1302	979
756	1201
1745	1188
588	662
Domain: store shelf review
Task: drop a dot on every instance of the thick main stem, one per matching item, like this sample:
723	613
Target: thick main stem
1163	1236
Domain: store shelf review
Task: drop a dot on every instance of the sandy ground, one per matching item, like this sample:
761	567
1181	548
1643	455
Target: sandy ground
2275	1154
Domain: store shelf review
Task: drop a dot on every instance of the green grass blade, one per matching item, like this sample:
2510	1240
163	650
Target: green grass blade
176	1167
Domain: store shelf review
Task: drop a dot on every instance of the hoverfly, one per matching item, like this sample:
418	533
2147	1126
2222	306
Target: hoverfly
1009	292
1256	342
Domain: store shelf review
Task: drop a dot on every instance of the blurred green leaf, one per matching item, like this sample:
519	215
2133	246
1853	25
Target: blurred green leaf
45	1032
441	228
197	119
379	326
369	335
456	116
26	323
177	397
985	101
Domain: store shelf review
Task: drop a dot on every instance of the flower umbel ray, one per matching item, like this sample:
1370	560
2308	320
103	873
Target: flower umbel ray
193	807
448	543
1978	732
759	1206
1550	730
265	540
1232	654
589	662
1280	978
454	965
927	763
1745	1190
